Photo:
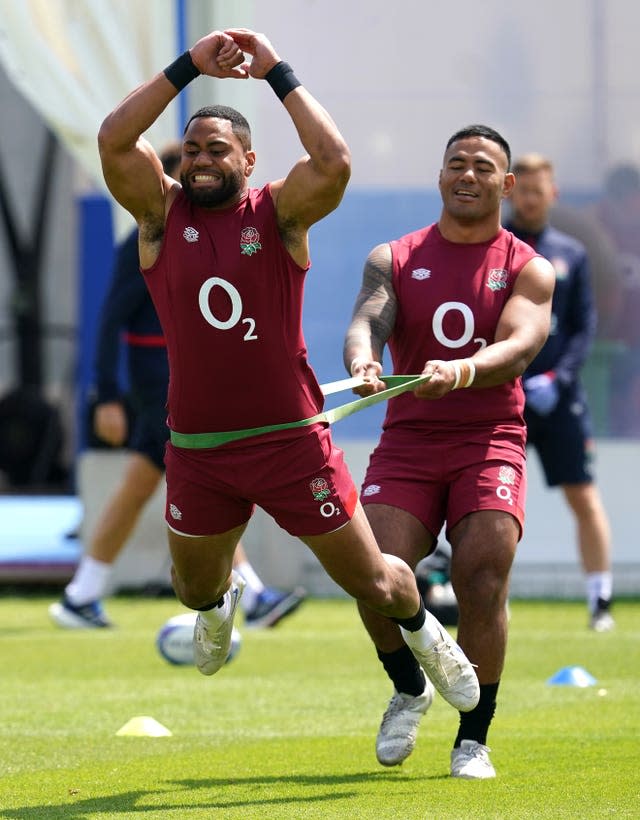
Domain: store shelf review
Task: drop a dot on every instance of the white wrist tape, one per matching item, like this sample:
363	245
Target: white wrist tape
456	370
472	373
465	371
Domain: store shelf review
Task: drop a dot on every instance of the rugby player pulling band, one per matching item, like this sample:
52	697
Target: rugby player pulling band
399	384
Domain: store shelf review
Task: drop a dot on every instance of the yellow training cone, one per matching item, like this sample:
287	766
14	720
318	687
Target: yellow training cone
143	726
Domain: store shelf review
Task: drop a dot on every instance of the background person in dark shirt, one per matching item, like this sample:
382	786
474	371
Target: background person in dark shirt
556	413
618	214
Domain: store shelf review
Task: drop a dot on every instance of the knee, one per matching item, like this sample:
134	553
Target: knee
195	595
483	589
386	590
377	595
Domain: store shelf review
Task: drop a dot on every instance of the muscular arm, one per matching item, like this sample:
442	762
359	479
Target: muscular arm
522	330
316	183
374	316
132	170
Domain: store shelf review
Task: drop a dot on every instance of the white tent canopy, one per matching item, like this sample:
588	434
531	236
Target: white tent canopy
74	60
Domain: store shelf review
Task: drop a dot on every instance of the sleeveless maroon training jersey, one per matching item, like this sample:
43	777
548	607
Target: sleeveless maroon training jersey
229	298
450	297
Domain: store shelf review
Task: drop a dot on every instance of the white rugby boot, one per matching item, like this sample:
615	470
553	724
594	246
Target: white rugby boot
447	667
471	761
211	646
399	728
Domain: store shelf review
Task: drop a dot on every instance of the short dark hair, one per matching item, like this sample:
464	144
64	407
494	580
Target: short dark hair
482	131
239	124
170	157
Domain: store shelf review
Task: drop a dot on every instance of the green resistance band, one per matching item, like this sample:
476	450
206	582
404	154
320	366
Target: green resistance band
395	386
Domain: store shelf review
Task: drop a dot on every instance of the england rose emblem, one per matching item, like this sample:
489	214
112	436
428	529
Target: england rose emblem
319	489
497	279
507	475
250	241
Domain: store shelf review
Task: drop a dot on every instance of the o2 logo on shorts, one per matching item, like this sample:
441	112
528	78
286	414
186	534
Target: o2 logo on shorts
320	491
507	479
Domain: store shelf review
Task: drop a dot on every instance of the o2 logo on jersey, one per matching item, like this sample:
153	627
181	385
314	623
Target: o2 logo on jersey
235	315
437	325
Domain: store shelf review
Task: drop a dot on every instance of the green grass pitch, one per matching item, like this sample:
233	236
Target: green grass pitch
287	729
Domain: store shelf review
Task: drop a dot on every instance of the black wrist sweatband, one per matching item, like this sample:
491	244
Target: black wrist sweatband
181	71
282	79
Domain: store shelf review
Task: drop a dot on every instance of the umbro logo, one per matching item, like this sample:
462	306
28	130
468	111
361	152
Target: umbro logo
175	512
191	235
420	274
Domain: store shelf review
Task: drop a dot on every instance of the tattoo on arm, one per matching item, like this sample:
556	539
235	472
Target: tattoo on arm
374	313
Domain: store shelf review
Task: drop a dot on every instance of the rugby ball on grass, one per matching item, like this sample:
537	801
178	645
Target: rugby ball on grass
175	640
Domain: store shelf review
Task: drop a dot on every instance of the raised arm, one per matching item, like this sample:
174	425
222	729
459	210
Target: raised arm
522	330
374	316
316	183
132	170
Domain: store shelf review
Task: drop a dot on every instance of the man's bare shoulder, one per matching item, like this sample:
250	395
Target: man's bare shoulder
378	264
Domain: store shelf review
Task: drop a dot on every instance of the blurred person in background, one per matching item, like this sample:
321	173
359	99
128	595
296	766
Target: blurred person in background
618	213
556	412
128	307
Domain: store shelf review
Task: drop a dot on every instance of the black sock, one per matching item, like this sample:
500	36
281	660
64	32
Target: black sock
404	670
474	725
215	604
414	623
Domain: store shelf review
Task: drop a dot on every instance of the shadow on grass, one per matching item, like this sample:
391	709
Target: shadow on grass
134	802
